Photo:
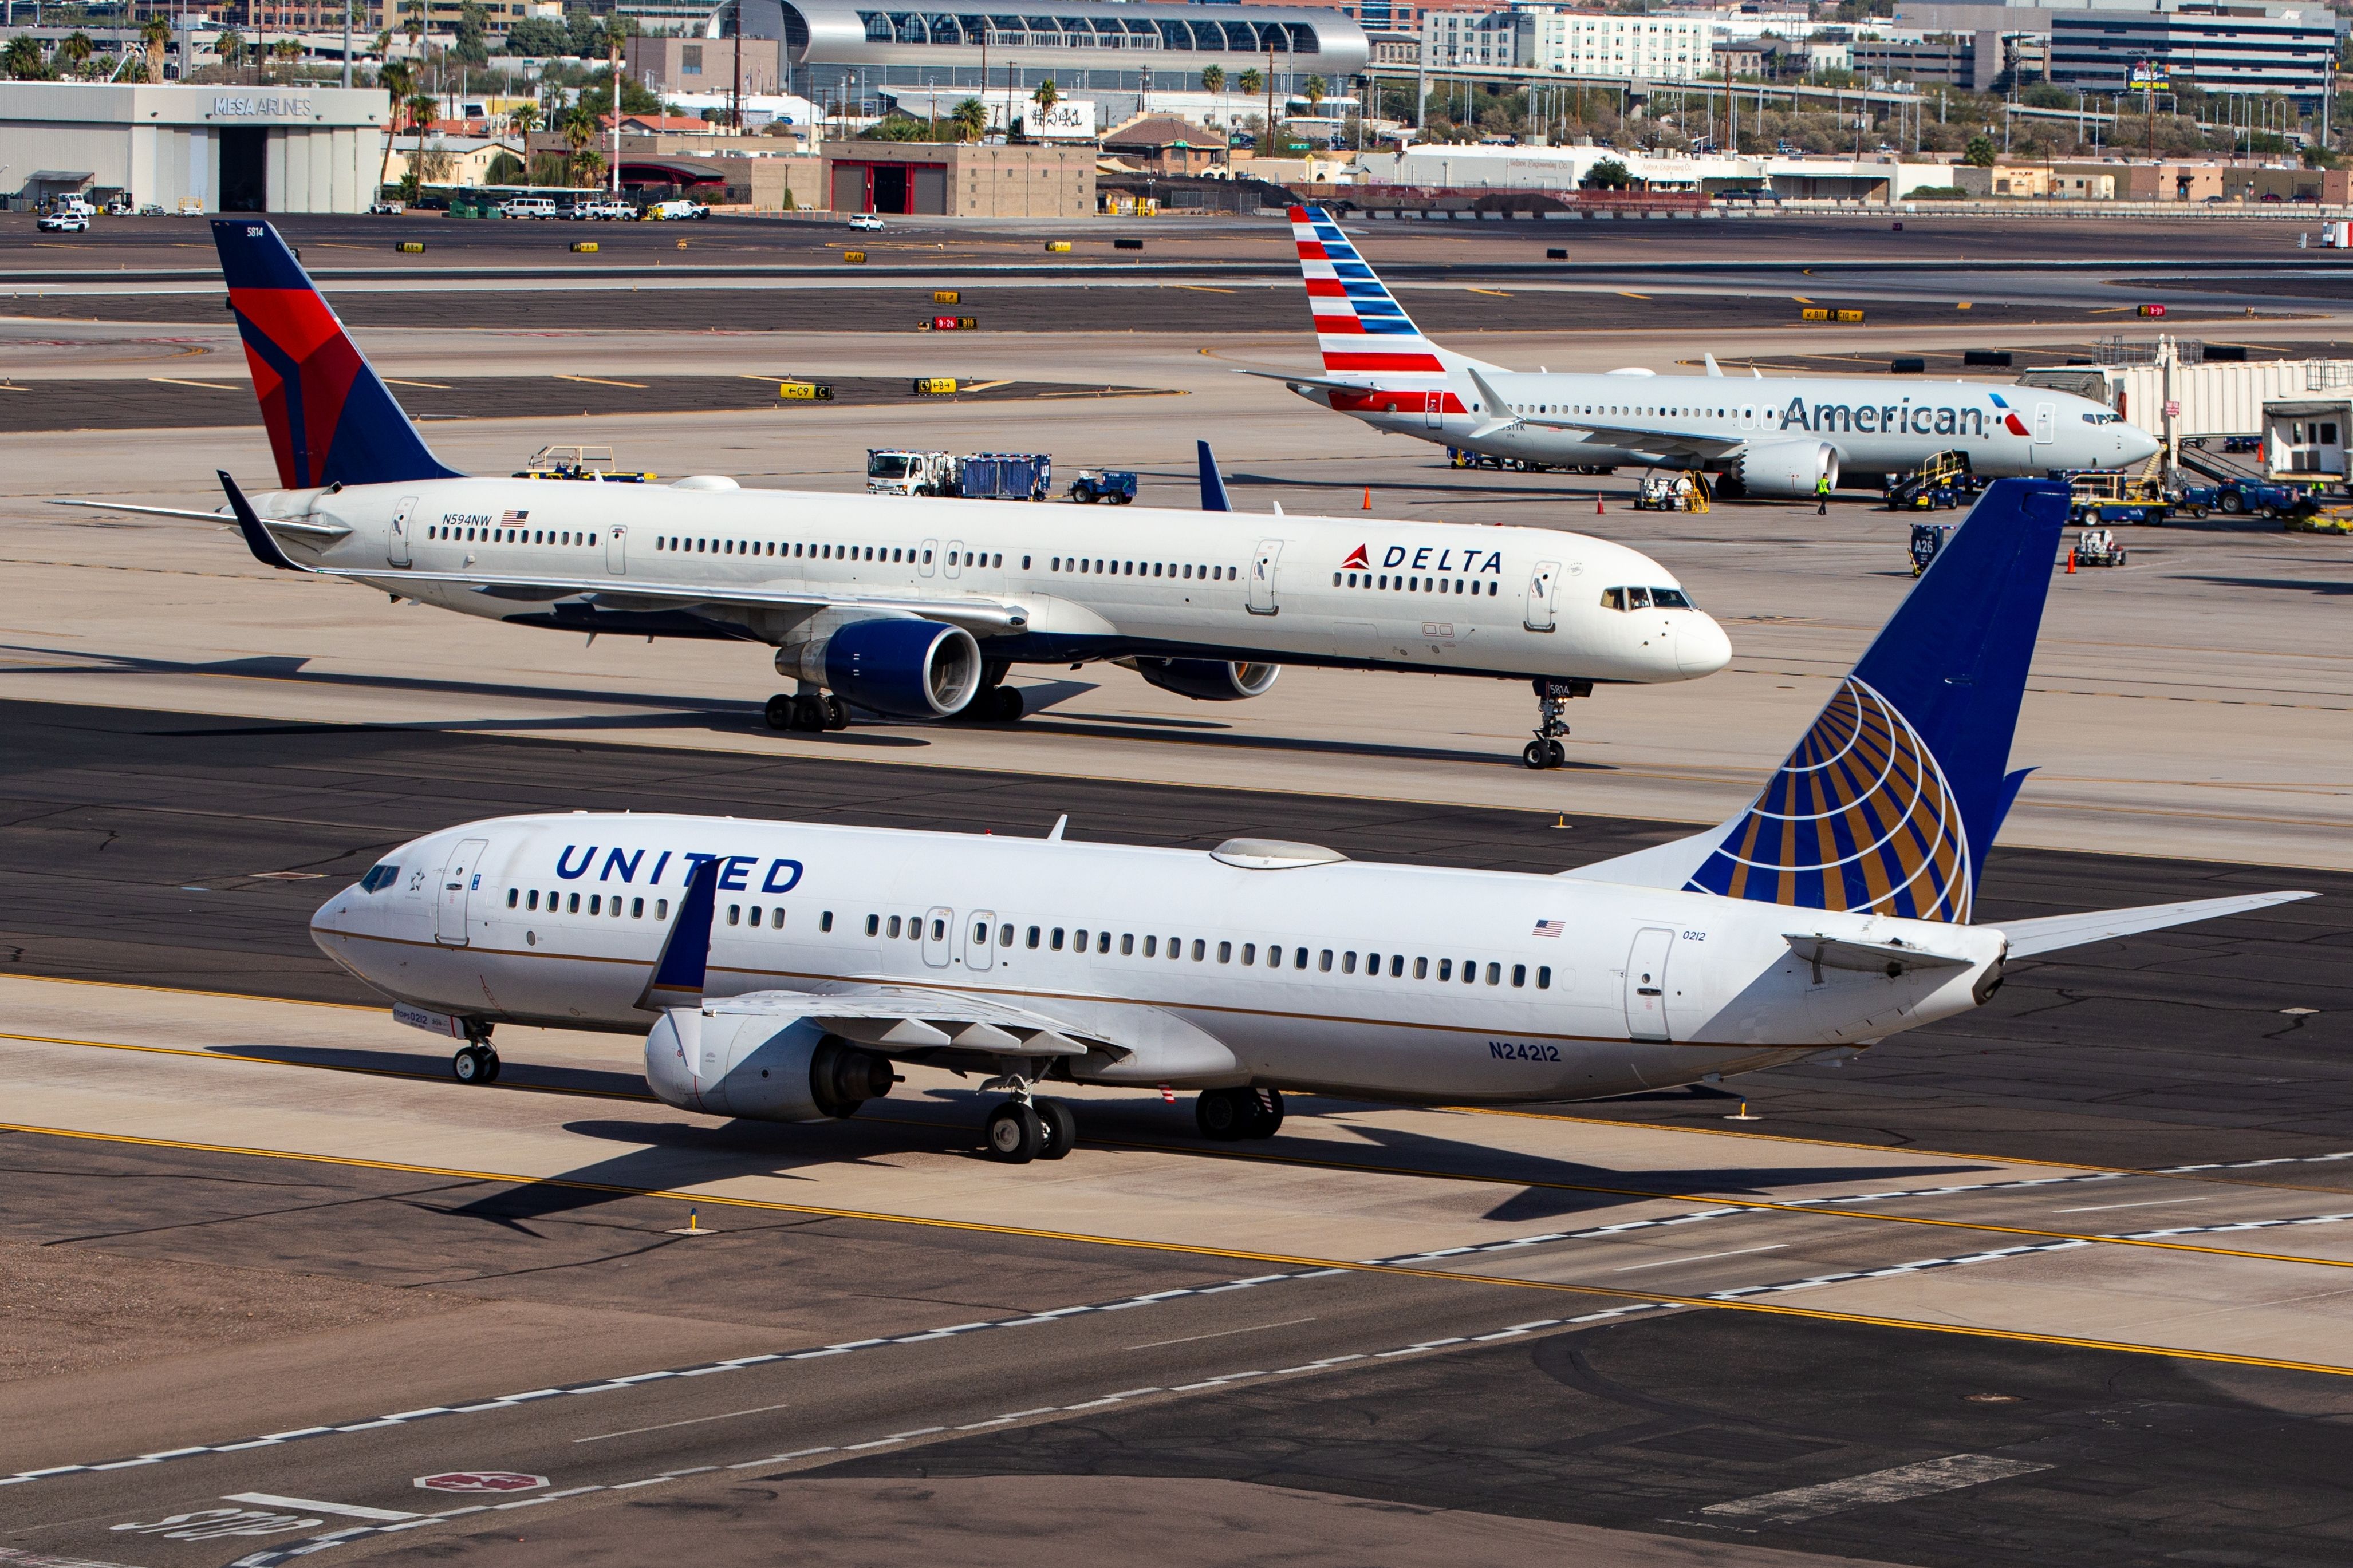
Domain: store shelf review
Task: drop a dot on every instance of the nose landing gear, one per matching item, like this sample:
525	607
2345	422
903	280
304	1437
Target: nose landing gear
1545	751
476	1061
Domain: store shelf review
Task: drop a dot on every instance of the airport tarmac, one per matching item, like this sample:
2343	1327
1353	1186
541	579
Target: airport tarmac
2064	1278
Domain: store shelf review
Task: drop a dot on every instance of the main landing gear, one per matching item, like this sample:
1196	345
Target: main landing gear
1226	1114
1545	751
995	703
1029	1127
476	1061
808	711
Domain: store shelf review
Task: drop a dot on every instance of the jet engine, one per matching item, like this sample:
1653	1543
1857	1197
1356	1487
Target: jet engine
1786	468
741	1064
1208	680
907	668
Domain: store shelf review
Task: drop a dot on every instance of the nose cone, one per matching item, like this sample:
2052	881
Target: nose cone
1701	646
2139	445
327	924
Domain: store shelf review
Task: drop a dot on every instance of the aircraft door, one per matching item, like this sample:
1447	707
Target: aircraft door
954	566
1540	586
395	544
924	562
617	549
459	878
980	940
1433	410
1261	579
2046	424
1646	984
939	936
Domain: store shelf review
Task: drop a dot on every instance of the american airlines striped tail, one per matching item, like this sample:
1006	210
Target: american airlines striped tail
1363	330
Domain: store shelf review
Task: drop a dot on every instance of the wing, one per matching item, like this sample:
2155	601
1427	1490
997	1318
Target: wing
2053	932
307	530
1297	378
974	614
1642	438
915	1021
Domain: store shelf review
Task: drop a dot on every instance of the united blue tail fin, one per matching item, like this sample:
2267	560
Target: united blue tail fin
1890	802
1213	483
332	419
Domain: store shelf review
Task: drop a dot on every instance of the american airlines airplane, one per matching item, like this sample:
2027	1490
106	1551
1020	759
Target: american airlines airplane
918	608
783	970
1766	437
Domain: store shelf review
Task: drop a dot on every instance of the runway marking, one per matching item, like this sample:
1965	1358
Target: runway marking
1309	1267
2147	1204
429	385
666	1425
1925	1478
1893	1271
1220	1335
305	1505
204	386
2156	1239
1701	1257
600	381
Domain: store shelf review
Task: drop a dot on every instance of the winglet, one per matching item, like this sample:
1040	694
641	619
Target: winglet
677	977
1712	368
1054	834
1213	484
1499	416
257	539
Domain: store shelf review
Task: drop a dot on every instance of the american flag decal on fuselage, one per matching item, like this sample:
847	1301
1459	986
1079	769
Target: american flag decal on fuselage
1361	329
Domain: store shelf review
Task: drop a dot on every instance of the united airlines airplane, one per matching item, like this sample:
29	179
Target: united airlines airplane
1772	438
917	609
782	971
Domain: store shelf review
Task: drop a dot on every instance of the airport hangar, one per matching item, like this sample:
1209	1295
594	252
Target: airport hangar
233	148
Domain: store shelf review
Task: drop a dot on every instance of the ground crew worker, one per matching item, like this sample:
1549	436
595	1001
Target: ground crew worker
1822	495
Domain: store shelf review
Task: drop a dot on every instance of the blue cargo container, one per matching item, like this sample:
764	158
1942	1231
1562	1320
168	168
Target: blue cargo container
1008	475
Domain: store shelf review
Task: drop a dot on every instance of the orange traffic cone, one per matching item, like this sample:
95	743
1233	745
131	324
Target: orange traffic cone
1368	498
2071	563
1598	510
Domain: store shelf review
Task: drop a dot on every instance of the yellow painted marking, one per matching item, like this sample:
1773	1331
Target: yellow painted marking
982	386
207	386
1201	289
1500	294
12	386
1301	1161
1801	300
599	381
1181	1248
429	385
1630	294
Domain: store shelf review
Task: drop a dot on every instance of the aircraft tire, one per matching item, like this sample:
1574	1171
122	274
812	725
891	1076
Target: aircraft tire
779	711
1221	1114
836	711
1537	754
1556	755
472	1064
1265	1109
1061	1128
1015	1133
1004	704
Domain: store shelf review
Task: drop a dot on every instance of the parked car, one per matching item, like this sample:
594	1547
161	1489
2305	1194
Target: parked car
675	211
528	207
62	223
387	209
865	221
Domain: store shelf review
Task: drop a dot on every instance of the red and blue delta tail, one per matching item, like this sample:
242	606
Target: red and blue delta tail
332	419
1891	800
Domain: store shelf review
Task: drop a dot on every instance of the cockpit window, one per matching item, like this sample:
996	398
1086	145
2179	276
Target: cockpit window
1669	599
379	877
1638	598
2103	418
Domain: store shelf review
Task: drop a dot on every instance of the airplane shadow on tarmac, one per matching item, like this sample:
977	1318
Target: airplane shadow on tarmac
669	1155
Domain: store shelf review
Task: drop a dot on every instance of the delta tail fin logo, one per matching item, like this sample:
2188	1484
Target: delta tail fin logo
1355	561
331	420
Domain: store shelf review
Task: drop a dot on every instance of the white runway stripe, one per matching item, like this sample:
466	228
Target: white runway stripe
1950	1473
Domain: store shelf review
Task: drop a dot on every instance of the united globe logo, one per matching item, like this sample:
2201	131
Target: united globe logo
1859	818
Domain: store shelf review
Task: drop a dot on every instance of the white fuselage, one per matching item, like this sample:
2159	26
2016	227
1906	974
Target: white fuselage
1448	598
1879	424
1389	982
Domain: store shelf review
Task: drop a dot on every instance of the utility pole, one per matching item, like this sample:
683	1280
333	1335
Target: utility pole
614	40
347	42
735	109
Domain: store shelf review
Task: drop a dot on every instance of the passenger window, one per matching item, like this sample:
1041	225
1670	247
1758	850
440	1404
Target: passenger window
825	922
1422	969
532	901
1127	945
980	933
735	913
1544	977
1080	945
594	902
573	905
874	924
1175	948
1348	963
1056	941
1034	936
1005	937
661	909
1519	974
1151	945
1324	964
1225	953
895	927
939	931
1198	948
1445	969
755	912
638	910
1250	953
514	894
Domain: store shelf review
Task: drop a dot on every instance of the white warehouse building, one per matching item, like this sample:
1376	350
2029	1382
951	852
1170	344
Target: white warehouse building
222	149
1658	46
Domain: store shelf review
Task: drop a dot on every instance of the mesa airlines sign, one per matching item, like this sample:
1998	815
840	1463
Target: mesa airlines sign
265	107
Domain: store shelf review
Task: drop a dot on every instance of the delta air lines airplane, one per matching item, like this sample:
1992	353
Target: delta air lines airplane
1770	438
918	608
783	970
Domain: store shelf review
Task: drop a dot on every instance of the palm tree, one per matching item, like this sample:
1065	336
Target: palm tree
1252	83
288	51
523	119
157	36
1213	78
423	108
1045	98
75	51
23	58
1315	89
970	118
230	47
397	78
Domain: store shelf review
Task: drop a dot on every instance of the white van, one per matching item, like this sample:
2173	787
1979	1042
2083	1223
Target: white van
528	207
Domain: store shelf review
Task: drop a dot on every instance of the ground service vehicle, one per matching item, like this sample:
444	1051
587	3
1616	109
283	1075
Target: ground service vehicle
2097	547
569	462
1006	476
893	472
528	207
1944	480
1116	486
1927	539
387	209
665	211
1686	491
2109	498
2234	497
